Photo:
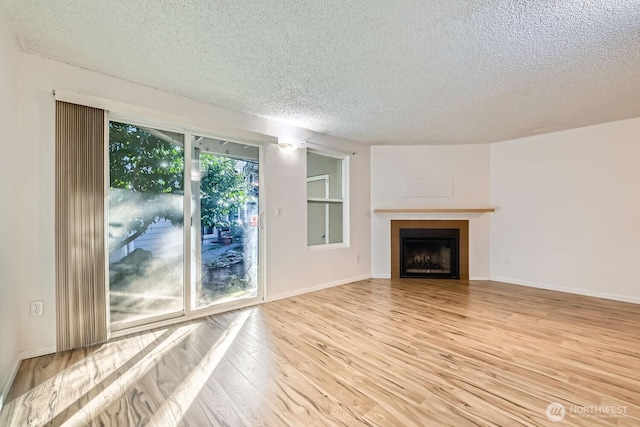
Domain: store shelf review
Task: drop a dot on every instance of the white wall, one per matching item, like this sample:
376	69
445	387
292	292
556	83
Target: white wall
466	165
290	267
290	260
569	210
10	159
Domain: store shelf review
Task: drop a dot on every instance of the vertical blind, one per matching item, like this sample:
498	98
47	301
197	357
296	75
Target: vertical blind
81	309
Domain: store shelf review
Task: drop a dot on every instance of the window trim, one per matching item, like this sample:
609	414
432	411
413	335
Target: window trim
345	200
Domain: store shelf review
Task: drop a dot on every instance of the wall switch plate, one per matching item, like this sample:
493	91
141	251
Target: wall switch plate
36	308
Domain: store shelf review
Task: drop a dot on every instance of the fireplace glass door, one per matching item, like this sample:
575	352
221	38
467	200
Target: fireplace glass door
429	253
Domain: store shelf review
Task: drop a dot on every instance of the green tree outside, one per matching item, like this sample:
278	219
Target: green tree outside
146	169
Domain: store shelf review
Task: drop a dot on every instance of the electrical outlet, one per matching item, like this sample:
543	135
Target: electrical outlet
507	261
36	308
358	258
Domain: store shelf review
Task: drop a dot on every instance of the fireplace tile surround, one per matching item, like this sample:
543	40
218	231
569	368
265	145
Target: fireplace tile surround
462	225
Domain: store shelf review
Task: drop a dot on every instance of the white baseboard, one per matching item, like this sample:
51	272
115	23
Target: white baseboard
316	288
7	385
576	291
388	276
37	352
4	391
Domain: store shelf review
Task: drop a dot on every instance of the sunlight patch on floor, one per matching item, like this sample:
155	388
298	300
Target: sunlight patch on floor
174	408
119	387
109	356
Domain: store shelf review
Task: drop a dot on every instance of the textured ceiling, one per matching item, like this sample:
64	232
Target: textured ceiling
378	71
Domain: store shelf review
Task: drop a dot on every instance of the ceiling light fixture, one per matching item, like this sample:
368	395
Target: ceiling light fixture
287	146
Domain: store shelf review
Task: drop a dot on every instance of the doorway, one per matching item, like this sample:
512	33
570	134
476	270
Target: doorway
161	179
226	194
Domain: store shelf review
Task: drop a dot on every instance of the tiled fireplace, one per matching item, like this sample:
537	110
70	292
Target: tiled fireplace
430	249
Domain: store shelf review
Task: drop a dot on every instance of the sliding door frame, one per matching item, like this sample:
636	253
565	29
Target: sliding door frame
260	291
189	310
154	124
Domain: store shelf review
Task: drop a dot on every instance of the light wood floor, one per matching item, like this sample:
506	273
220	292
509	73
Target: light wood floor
375	352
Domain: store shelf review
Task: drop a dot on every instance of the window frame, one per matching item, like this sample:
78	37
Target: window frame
344	200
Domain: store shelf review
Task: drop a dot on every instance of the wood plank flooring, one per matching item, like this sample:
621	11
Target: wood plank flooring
373	353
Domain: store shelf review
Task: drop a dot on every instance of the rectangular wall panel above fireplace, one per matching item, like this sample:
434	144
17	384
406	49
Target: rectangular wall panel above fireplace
434	249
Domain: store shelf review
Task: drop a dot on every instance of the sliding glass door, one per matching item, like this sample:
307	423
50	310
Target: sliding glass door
146	223
158	269
225	189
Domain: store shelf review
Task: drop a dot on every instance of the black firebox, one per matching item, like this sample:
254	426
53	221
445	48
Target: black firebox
430	253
